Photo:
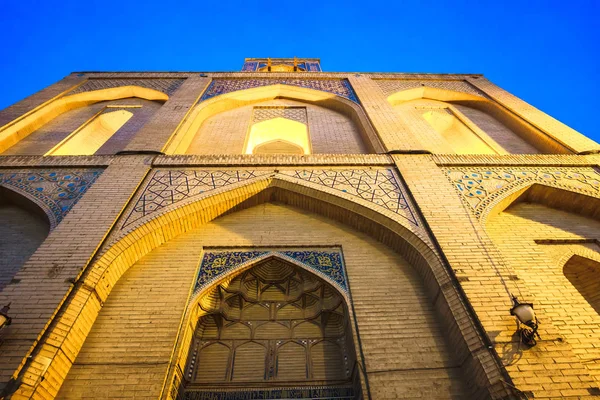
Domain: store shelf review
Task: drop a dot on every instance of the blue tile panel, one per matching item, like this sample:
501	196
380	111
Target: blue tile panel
168	187
325	263
250	66
340	87
480	186
59	190
165	85
314	392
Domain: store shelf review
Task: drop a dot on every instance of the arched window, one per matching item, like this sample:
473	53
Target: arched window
278	135
23	228
92	135
275	324
584	275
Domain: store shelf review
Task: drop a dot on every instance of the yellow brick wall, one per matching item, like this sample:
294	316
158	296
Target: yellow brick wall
22	232
541	267
53	316
400	332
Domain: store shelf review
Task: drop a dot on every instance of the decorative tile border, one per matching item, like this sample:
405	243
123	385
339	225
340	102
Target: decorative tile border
340	87
378	186
298	392
168	187
391	86
325	263
481	186
167	86
58	190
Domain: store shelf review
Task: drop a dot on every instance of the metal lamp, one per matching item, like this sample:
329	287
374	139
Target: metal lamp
527	322
5	320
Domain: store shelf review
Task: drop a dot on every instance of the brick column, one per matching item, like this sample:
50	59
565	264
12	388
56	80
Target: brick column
44	281
156	133
393	131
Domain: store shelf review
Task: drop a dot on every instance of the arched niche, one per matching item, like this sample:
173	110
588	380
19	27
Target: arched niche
231	113
584	275
244	335
24	225
88	139
145	237
491	129
548	236
15	131
278	136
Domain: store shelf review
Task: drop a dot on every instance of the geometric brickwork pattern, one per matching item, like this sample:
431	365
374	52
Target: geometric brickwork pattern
58	190
165	85
379	186
325	263
391	86
340	87
168	187
266	113
480	186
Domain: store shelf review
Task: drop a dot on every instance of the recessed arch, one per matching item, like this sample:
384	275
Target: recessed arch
24	225
182	138
278	136
584	275
264	352
20	128
547	194
138	241
522	129
90	137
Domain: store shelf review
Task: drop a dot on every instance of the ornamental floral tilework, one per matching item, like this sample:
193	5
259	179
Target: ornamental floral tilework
325	263
57	190
378	186
480	186
168	187
340	87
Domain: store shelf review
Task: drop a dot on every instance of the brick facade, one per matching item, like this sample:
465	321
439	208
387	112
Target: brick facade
433	242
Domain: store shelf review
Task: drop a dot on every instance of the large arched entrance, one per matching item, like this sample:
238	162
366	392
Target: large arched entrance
272	327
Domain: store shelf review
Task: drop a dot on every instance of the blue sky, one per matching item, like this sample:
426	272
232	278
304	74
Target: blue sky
546	52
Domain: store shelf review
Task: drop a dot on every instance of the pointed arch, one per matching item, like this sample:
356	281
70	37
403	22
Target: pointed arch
556	196
20	128
97	282
24	225
270	331
522	128
91	136
182	138
278	135
583	272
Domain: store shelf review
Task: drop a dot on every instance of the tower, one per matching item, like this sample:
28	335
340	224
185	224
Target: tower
284	232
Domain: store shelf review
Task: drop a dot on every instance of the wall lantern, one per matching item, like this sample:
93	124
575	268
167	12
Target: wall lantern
5	320
527	322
